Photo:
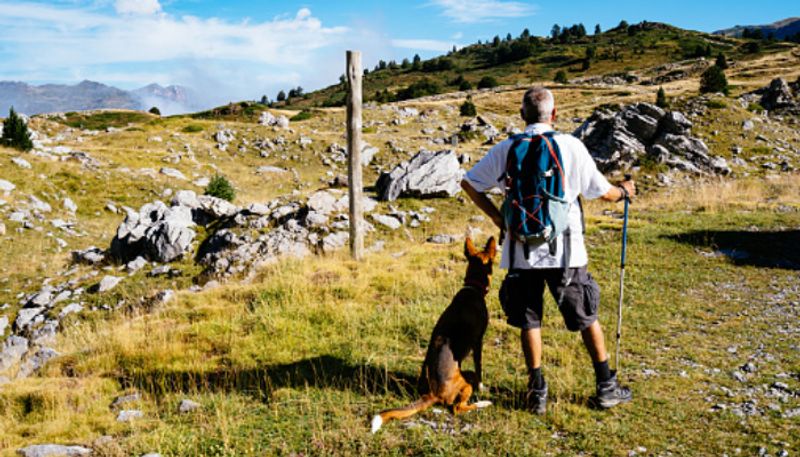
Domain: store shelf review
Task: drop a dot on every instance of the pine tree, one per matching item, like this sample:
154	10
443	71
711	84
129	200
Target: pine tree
661	98
15	132
468	108
713	80
155	110
597	30
525	34
417	62
555	31
220	187
281	96
722	62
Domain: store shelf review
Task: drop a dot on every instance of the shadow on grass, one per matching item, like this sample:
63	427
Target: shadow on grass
769	249
319	372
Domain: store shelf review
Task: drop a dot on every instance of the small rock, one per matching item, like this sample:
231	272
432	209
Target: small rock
6	186
53	450
69	205
107	283
22	163
125	399
387	221
173	173
129	415
187	406
136	264
442	239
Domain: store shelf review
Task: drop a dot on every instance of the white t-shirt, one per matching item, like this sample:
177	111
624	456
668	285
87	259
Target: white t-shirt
582	178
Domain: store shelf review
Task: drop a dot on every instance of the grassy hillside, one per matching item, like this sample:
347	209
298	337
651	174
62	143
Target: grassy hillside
295	361
524	59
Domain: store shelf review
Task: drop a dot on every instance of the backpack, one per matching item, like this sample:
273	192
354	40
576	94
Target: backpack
534	208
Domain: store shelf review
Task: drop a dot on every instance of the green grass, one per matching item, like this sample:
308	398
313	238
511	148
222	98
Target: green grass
192	128
298	360
104	120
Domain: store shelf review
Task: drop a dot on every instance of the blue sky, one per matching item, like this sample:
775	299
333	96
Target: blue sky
236	49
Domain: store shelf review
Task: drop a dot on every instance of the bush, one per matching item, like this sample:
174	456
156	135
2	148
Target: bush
192	128
661	98
487	82
716	104
15	132
468	108
713	80
721	62
561	77
418	89
465	85
220	187
155	110
754	107
302	116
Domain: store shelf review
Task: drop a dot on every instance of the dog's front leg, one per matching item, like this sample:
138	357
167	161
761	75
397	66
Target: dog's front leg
476	358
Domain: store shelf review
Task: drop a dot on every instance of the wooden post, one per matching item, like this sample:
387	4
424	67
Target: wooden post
354	180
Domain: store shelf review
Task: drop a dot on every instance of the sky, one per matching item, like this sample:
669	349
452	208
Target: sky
235	49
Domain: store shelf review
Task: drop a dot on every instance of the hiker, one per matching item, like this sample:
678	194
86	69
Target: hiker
558	261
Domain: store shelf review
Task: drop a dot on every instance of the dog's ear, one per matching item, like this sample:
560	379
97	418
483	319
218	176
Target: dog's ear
469	248
491	248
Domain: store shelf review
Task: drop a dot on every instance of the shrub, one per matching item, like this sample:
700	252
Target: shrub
716	104
713	80
753	107
220	187
155	110
661	98
192	128
468	108
418	89
487	82
302	116
15	132
721	62
561	77
465	85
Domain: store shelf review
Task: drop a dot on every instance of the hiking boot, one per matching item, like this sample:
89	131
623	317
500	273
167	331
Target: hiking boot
536	399
610	393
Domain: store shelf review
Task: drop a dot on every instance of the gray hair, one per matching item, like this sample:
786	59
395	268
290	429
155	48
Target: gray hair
538	104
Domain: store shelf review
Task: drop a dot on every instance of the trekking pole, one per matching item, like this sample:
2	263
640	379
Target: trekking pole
622	277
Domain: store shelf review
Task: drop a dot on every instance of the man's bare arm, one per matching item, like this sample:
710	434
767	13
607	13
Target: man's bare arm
483	202
615	193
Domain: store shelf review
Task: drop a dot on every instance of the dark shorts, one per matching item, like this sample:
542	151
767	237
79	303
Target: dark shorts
522	297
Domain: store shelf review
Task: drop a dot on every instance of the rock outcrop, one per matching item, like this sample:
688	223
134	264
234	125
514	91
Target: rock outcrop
779	97
427	174
619	140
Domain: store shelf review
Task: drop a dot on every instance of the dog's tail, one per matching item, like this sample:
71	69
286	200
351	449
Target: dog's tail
422	404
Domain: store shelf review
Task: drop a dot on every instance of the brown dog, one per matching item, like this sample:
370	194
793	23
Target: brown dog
458	331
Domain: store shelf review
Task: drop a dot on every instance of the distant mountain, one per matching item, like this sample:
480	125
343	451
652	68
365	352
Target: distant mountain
780	30
88	95
169	100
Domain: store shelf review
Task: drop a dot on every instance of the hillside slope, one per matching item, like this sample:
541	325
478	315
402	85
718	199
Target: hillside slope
526	58
295	358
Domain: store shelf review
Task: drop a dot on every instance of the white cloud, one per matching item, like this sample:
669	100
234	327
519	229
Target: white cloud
225	59
137	6
472	11
422	44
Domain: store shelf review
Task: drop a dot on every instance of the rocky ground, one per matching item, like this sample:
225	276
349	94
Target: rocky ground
76	248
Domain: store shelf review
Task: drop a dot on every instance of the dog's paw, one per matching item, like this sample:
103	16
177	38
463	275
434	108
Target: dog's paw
482	388
483	403
377	422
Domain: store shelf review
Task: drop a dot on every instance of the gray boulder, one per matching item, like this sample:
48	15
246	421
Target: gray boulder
37	361
619	140
156	232
12	351
108	283
3	325
129	415
90	256
777	95
53	450
427	174
187	406
6	187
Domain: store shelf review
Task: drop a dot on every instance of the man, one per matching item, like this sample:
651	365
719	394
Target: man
575	287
